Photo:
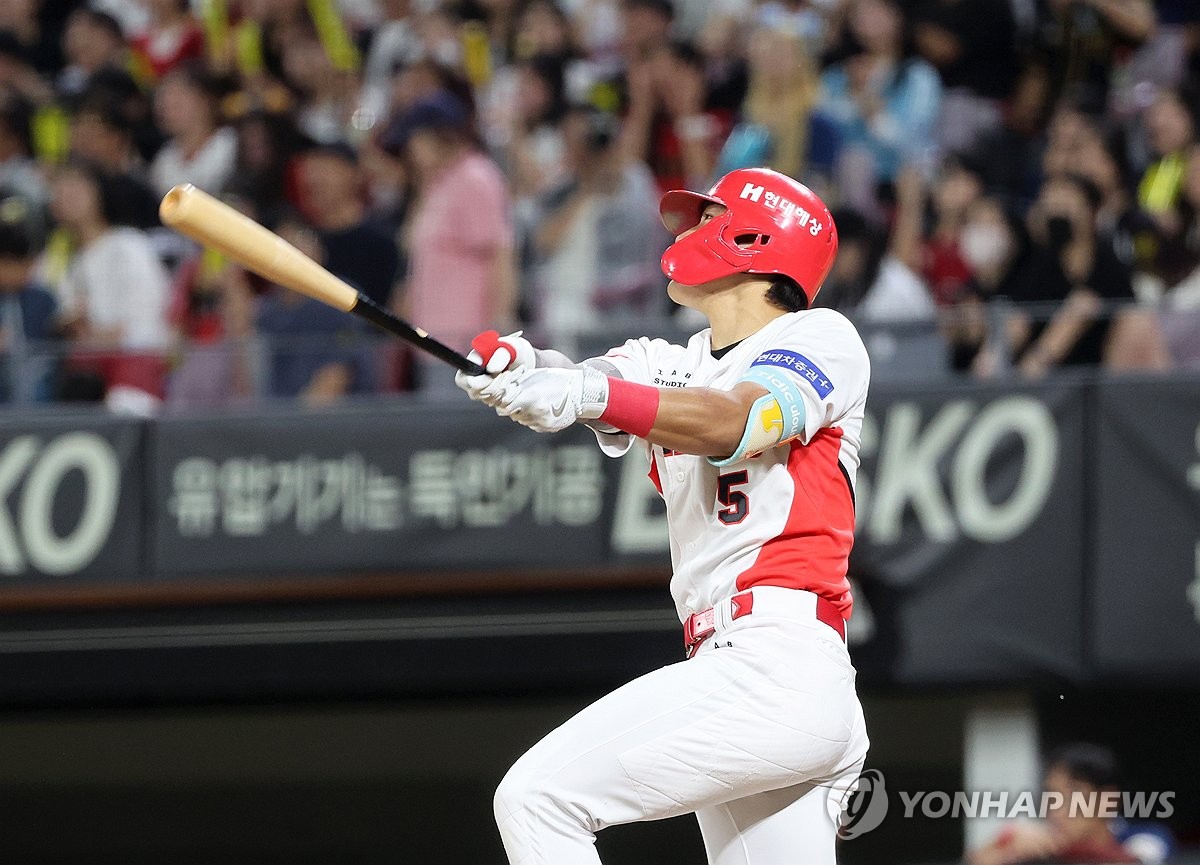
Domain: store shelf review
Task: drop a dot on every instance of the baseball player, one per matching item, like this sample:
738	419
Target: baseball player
751	432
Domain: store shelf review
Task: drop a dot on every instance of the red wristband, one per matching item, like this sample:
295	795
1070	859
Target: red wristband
631	407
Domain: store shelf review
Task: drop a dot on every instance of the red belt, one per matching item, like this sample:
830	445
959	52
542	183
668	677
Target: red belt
700	626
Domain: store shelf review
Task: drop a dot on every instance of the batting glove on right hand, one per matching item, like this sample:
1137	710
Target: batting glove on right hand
496	354
550	400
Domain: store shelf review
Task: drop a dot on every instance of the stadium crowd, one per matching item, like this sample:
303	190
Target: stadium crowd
1017	180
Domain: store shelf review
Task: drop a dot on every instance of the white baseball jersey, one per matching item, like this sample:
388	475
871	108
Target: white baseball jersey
781	518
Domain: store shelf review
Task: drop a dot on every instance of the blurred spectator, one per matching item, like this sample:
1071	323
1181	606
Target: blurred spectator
114	295
1069	129
102	135
669	125
1122	222
545	58
725	49
199	149
1191	37
316	353
598	238
172	38
995	247
394	43
1077	283
533	142
19	172
544	30
882	101
17	72
940	261
28	311
388	187
669	122
861	247
256	38
37	45
487	36
598	26
328	94
116	86
1075	836
1180	317
1159	62
133	17
645	28
1171	128
268	144
1093	41
1010	157
461	278
212	315
973	46
715	25
441	37
782	92
247	338
196	311
92	41
421	80
1077	143
869	281
333	198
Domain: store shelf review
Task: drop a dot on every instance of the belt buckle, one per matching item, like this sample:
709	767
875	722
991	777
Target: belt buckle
694	633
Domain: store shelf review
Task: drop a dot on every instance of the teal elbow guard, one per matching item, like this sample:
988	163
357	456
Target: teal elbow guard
774	418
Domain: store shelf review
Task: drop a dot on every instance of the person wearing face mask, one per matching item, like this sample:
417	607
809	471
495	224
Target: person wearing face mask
995	248
987	244
1075	276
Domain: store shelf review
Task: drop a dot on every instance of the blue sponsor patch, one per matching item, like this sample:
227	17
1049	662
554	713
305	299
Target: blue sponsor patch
800	365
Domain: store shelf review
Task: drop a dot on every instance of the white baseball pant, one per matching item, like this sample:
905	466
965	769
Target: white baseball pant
760	733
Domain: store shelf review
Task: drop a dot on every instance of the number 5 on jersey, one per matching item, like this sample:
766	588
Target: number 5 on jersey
737	503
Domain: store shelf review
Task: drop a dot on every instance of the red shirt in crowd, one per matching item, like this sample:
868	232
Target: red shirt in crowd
163	50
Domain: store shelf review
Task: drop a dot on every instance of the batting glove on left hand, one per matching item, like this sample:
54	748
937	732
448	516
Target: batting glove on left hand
500	353
550	400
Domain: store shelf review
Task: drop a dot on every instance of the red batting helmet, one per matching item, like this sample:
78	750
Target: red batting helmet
772	225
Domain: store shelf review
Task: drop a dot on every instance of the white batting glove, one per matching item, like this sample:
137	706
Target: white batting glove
496	354
550	400
499	353
481	388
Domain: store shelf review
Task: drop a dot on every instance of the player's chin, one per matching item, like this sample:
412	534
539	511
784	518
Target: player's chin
684	295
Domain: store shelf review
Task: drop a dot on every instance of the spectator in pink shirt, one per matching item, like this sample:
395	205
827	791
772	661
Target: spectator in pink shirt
459	236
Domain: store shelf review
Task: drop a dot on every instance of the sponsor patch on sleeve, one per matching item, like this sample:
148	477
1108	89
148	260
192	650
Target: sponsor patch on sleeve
799	364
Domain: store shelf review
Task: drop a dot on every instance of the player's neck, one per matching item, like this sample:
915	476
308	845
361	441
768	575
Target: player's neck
738	312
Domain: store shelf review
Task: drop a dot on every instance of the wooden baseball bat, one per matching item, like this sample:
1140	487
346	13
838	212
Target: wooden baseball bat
206	220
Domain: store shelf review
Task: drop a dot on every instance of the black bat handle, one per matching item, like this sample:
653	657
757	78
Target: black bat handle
368	309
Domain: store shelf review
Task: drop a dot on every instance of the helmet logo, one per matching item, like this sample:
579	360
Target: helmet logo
783	207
